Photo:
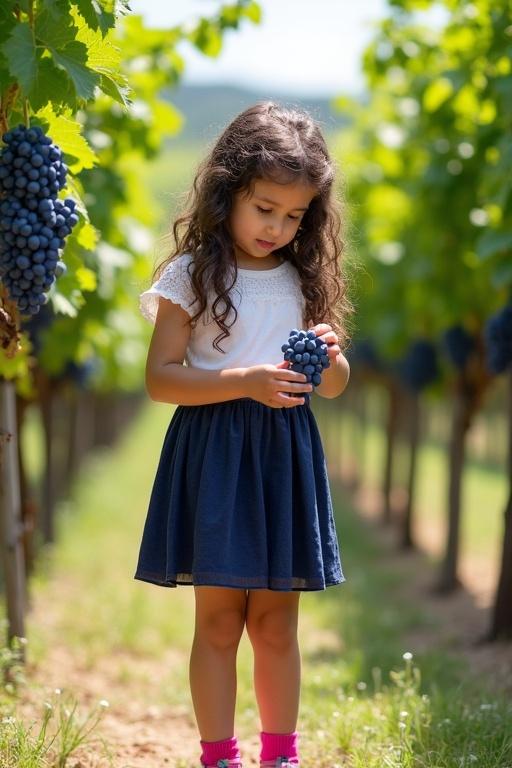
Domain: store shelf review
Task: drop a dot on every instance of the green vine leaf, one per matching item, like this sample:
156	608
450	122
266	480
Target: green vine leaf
20	53
65	131
73	58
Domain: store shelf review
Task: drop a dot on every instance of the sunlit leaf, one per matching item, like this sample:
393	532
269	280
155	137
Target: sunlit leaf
66	133
436	93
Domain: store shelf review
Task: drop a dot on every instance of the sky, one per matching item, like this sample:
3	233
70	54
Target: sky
303	47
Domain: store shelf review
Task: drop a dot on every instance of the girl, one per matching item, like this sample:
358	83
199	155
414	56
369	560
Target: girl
240	506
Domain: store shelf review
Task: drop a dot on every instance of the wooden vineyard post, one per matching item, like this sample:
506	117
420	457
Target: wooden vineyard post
11	526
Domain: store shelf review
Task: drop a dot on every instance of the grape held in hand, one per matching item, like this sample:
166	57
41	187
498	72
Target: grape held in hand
307	354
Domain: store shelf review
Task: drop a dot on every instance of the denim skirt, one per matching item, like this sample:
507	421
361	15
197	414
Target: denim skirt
241	499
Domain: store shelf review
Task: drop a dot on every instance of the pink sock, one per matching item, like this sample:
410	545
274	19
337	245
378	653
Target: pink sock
274	745
219	750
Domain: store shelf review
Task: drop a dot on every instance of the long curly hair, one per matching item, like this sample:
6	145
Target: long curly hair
266	141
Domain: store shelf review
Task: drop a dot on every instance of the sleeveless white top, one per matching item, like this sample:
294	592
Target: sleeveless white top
269	304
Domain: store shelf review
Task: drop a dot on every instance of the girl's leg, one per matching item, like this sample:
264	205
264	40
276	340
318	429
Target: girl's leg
219	623
272	619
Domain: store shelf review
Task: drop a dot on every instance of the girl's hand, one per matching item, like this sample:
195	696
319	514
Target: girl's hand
268	384
326	333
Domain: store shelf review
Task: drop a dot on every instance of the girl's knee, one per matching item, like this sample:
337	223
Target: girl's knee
276	628
221	629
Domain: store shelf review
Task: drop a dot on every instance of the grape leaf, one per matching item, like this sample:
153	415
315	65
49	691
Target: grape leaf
62	305
87	280
252	12
117	92
91	11
20	52
54	31
95	17
88	236
51	84
7	21
73	58
56	8
6	79
207	38
105	59
117	7
66	134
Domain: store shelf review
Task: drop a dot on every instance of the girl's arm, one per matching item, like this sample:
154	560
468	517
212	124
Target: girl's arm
169	381
335	378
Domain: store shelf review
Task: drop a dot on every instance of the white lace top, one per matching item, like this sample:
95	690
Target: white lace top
269	304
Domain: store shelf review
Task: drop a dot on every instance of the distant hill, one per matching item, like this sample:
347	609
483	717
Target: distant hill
208	108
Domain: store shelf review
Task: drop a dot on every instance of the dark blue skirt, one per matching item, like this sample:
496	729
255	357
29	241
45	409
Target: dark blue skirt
241	499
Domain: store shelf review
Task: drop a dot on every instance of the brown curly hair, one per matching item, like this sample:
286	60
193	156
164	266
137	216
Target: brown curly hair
271	142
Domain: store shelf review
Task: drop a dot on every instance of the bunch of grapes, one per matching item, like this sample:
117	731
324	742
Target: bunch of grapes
498	336
364	353
459	345
419	367
34	222
80	373
307	354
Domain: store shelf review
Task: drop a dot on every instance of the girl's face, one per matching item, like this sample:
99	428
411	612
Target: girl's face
267	219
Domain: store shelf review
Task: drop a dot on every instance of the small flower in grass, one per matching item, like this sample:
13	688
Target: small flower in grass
104	703
361	686
407	656
335	713
48	705
402	725
403	713
58	691
8	720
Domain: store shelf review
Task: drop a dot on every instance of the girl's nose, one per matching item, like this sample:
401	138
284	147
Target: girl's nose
274	229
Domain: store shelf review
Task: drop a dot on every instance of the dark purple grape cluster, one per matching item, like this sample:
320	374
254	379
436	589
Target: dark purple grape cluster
364	353
419	367
34	222
498	337
81	373
459	344
307	354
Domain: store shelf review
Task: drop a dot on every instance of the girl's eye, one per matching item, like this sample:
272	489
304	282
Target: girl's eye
268	210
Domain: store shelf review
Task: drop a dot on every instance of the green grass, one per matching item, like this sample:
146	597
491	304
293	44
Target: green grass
362	702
